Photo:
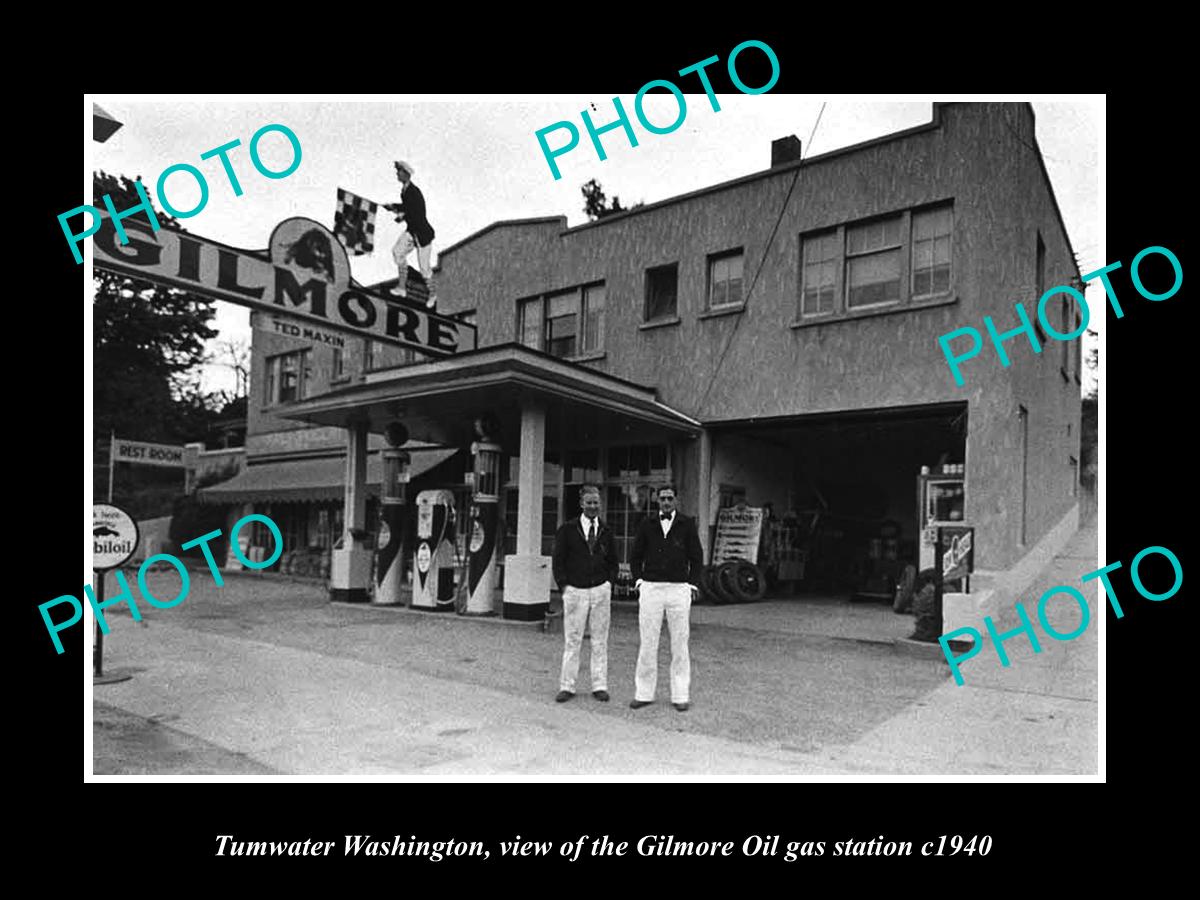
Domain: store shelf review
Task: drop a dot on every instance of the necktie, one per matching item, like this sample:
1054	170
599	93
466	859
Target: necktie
666	517
592	535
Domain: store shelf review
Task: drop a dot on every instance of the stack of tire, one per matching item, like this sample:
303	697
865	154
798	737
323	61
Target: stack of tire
735	581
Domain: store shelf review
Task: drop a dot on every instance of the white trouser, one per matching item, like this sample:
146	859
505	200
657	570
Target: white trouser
404	246
578	603
654	599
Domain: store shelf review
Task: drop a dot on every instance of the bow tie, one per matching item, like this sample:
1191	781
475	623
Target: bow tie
666	517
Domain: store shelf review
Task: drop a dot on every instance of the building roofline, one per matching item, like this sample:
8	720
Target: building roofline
1037	148
934	123
542	220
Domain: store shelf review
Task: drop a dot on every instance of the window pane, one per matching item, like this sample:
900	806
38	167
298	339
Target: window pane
560	335
658	457
923	255
874	278
941	250
531	323
819	248
660	292
594	297
873	235
891	231
735	291
562	304
854	240
593	326
941	279
922	282
931	223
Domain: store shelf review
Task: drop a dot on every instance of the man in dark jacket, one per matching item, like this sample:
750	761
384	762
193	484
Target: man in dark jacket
666	562
419	234
585	566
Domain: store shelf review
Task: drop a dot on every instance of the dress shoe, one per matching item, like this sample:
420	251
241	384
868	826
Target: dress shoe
638	704
601	695
682	707
563	696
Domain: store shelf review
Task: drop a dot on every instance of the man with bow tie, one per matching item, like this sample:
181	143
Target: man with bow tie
585	566
666	562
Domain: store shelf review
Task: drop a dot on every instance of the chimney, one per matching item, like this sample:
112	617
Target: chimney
785	150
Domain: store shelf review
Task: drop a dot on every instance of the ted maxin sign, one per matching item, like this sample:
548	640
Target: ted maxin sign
305	273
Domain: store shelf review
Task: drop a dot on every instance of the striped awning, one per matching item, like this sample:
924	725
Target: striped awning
310	480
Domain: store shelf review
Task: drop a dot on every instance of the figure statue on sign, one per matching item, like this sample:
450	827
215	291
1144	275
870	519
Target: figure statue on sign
418	235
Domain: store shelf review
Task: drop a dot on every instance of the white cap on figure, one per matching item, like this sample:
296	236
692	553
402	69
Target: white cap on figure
401	164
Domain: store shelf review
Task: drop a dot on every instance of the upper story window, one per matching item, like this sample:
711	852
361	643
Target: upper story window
820	273
566	324
380	355
594	301
931	251
873	263
662	292
529	325
288	376
725	279
562	324
886	261
337	367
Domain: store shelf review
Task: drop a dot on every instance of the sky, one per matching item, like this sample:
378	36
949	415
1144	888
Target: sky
477	160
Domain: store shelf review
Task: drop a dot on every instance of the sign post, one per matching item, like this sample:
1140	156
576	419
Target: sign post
114	540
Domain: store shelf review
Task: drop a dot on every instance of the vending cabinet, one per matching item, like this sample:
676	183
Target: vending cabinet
941	500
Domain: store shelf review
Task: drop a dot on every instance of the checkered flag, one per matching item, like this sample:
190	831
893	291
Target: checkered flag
354	222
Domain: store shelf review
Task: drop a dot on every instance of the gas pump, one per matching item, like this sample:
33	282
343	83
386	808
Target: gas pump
388	566
484	539
433	561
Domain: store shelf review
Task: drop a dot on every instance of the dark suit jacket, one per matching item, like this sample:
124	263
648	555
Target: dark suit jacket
412	204
676	558
577	566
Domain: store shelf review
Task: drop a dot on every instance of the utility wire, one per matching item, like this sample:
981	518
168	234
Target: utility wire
754	281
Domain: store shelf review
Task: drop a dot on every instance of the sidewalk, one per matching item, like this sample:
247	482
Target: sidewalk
1038	715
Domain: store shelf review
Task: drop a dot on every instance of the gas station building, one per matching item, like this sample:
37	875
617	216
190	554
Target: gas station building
770	340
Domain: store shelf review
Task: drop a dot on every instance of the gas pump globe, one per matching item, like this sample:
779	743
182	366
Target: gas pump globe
483	538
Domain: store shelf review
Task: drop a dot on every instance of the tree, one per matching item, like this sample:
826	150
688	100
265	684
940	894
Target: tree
235	355
146	338
595	203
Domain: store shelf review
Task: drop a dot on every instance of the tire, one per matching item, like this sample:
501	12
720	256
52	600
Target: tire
707	595
724	579
712	584
748	582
